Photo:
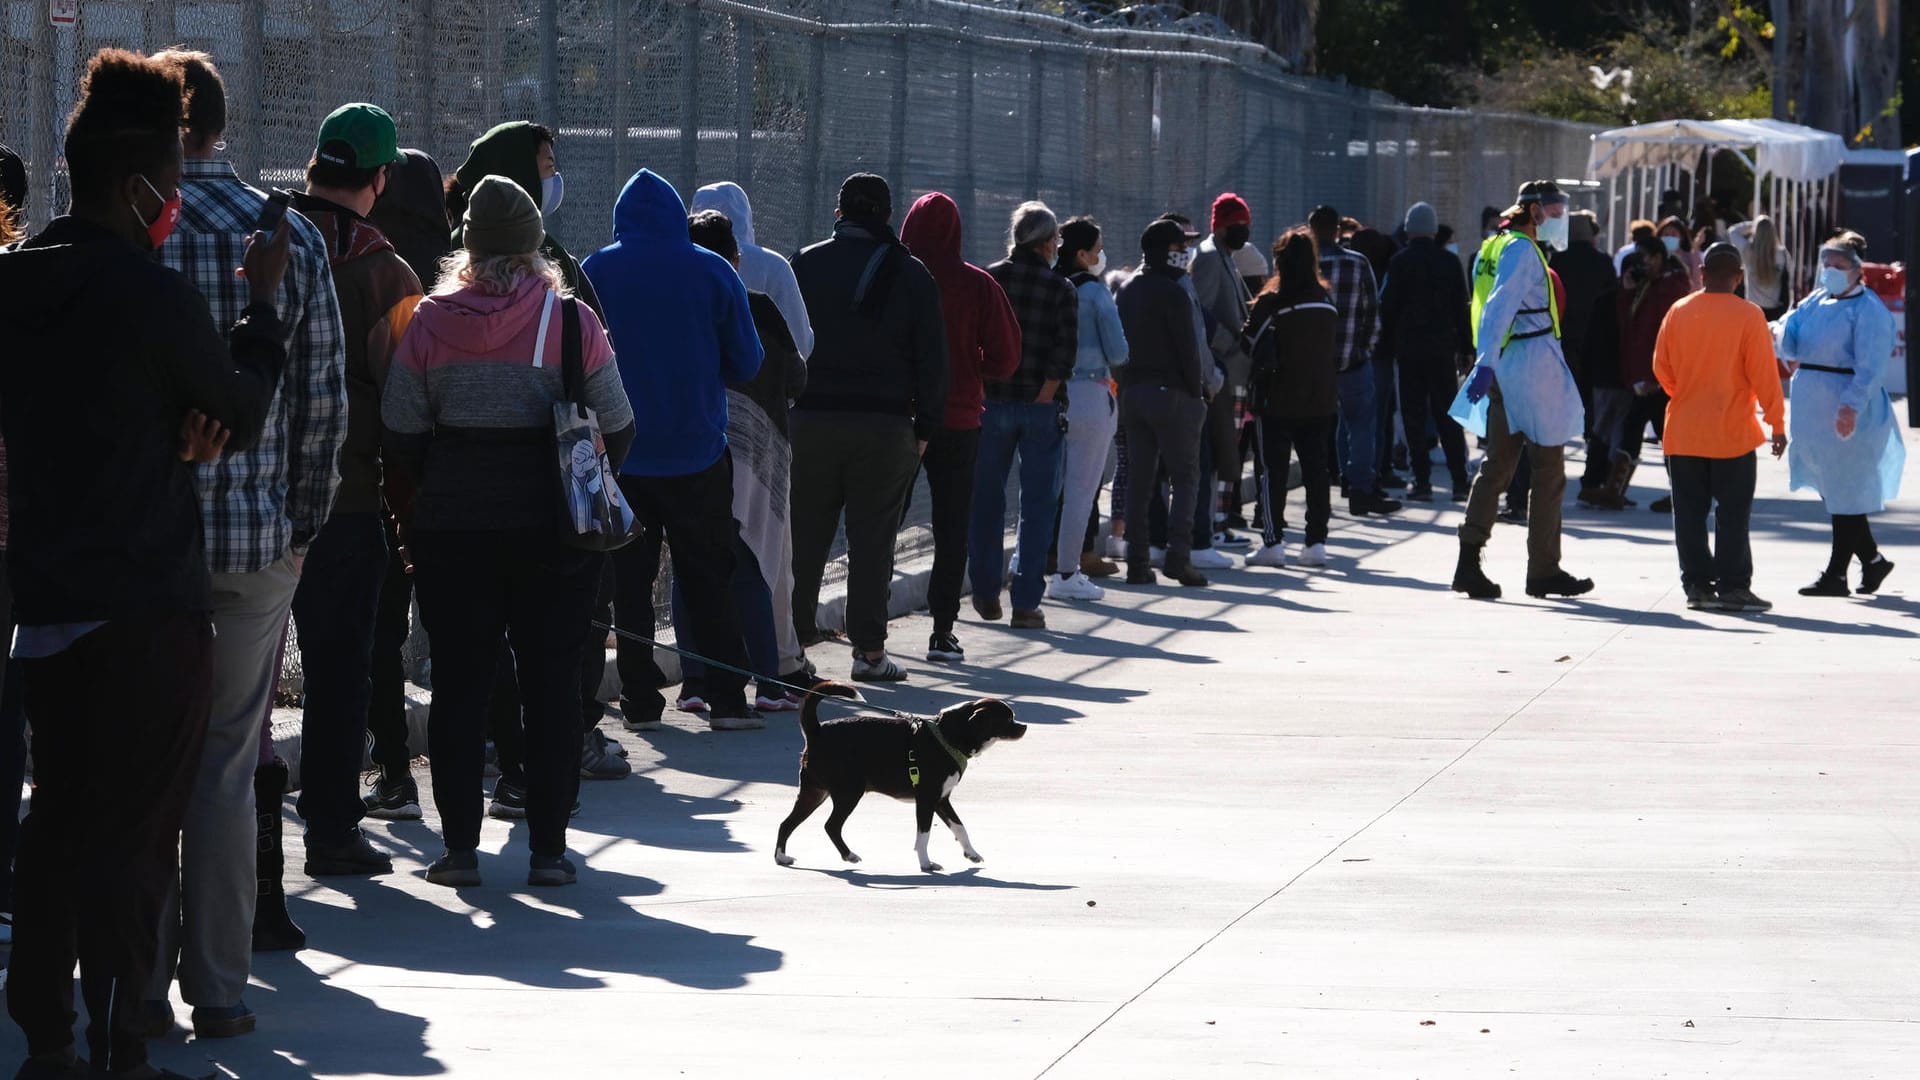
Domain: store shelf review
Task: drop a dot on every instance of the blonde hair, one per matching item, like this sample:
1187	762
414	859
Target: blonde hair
10	229
497	275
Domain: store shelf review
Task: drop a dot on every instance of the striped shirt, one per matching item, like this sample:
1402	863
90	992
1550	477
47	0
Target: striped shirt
253	505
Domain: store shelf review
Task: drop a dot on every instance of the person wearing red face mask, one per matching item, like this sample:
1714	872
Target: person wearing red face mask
116	381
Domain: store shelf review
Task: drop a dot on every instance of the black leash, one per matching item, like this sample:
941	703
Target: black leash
762	680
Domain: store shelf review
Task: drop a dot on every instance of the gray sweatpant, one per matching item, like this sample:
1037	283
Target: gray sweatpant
1162	426
207	929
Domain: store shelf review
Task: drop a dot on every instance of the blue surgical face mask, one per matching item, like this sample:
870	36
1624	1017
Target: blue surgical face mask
1672	242
553	191
1834	280
1453	249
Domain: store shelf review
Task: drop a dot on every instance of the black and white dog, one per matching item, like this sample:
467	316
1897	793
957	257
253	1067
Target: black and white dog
919	760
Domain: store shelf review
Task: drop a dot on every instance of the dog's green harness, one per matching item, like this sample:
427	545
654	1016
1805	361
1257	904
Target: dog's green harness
933	727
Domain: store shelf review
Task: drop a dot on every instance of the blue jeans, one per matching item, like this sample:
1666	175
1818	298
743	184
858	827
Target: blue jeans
1357	422
1030	430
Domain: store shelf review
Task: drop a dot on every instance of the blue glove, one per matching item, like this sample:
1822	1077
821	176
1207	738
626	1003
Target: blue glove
1479	383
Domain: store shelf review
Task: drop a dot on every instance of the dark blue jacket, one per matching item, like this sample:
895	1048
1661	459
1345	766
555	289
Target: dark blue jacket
681	329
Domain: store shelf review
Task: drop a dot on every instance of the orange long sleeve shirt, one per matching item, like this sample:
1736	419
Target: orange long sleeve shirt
1714	358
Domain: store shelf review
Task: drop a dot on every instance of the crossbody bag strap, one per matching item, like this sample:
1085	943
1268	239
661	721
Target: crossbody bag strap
573	372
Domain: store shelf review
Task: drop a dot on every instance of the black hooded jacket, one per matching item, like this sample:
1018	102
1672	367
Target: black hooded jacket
412	215
106	352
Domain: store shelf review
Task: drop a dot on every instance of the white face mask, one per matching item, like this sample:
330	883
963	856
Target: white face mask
1553	232
1180	260
1672	242
553	191
1099	266
1834	280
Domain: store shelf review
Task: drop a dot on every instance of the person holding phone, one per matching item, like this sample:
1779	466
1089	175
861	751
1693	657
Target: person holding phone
1714	359
113	359
260	509
1846	443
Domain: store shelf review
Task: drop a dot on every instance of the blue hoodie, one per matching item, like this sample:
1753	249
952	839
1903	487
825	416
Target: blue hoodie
681	329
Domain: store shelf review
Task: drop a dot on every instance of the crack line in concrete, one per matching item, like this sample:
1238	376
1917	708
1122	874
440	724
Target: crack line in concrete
1375	820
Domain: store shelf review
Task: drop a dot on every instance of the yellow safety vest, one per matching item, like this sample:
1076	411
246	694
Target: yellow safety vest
1486	268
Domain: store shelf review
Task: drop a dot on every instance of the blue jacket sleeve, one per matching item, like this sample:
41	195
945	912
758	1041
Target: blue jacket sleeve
1113	338
1872	350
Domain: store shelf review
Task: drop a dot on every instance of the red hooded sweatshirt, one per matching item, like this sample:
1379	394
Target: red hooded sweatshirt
983	337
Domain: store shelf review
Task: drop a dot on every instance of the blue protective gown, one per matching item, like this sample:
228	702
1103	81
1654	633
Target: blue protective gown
1541	399
1858	474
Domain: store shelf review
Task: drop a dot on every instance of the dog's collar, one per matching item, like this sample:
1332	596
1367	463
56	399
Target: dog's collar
933	727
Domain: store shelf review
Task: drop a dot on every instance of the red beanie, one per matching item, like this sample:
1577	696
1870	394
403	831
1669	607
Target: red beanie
1231	209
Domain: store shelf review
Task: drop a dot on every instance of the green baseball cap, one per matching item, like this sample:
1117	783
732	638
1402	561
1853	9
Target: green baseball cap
358	136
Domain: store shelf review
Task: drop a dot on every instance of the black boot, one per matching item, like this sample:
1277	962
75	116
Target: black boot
273	928
1470	579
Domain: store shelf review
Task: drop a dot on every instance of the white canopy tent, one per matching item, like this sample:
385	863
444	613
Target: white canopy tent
1795	168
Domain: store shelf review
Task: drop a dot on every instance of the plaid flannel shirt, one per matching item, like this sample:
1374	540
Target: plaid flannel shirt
253	505
1048	311
1357	298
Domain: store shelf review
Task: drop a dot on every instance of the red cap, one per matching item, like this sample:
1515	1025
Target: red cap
1231	209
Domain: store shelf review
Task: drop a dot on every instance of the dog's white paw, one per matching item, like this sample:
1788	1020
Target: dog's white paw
850	857
783	858
975	857
930	867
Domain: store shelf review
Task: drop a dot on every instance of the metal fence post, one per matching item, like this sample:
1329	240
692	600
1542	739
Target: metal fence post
1036	94
157	21
622	73
549	63
816	106
250	147
743	102
689	98
43	137
897	157
967	183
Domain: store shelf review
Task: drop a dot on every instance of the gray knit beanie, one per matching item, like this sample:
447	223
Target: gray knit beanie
1421	220
501	219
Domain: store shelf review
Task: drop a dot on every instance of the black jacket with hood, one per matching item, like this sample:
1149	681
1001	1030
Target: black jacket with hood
106	353
881	350
512	150
412	214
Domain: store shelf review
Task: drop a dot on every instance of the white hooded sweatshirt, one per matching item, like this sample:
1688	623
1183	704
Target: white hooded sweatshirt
760	270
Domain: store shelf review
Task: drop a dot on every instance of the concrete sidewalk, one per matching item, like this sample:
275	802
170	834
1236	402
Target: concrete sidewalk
1301	824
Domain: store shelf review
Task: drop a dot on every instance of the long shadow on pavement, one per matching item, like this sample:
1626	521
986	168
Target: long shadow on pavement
547	938
968	878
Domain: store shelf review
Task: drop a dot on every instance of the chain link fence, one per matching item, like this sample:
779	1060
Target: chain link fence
990	104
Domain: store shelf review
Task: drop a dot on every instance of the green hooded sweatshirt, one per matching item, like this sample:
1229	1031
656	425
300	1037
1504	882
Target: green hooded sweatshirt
512	150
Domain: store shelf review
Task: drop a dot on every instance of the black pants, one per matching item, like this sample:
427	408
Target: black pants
525	586
693	514
861	464
1647	409
1278	440
949	464
1723	486
387	709
505	725
1852	537
100	847
334	611
13	744
1163	425
1427	389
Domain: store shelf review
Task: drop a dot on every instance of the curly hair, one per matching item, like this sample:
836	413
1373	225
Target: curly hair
497	275
128	119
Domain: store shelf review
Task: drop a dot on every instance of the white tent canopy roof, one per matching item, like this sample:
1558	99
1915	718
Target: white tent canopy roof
1789	152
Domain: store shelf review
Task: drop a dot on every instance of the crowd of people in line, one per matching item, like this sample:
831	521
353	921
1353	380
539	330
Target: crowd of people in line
226	406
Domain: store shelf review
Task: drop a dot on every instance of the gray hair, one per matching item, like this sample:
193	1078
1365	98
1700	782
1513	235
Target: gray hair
1032	223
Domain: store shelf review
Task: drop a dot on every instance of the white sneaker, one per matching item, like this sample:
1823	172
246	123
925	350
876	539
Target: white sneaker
1076	587
1314	555
1116	547
1157	556
1274	555
1210	559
